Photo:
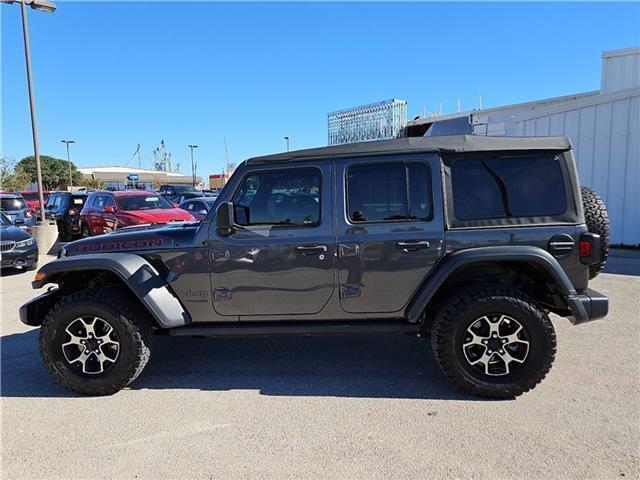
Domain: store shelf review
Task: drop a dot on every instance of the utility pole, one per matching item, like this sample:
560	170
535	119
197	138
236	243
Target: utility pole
43	6
193	165
69	162
287	139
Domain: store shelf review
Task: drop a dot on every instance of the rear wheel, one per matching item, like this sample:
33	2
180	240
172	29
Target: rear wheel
95	342
493	342
597	220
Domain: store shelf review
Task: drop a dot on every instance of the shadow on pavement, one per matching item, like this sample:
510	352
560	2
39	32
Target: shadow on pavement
381	366
11	271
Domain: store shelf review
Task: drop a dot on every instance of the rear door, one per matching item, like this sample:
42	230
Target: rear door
280	258
390	232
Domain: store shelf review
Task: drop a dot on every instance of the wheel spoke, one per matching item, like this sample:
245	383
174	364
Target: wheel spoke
84	348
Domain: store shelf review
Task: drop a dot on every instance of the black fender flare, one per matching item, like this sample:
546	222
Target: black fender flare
453	261
137	274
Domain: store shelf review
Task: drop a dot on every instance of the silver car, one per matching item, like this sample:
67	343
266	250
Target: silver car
15	207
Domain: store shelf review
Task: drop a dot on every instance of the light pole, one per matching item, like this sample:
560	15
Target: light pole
69	162
287	140
44	6
193	165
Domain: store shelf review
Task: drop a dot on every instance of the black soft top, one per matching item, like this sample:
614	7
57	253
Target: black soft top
453	144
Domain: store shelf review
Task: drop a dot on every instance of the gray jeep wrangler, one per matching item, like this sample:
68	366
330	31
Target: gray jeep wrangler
473	240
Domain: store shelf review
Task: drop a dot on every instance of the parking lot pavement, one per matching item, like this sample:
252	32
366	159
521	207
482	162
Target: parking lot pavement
341	407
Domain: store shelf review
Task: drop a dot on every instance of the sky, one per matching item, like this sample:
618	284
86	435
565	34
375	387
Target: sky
112	75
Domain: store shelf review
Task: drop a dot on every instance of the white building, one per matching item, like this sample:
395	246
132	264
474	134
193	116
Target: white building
603	126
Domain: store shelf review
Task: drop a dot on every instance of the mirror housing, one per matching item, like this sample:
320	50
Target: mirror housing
109	209
18	221
202	212
225	218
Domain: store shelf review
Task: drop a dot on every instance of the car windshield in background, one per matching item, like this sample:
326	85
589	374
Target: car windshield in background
33	196
142	202
184	189
9	204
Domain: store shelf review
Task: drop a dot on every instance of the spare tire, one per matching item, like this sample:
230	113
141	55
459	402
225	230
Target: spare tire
597	220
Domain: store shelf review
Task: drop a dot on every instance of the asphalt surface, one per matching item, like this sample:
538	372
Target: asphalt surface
329	407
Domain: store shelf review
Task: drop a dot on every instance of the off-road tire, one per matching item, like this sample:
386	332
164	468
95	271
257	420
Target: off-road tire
131	323
597	220
461	310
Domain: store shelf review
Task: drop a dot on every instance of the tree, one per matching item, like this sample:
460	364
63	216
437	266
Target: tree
55	171
12	177
92	183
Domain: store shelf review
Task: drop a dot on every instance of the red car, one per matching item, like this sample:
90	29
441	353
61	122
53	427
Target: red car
31	197
106	211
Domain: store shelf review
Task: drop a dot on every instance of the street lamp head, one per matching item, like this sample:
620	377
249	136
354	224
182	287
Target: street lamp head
193	146
68	141
41	5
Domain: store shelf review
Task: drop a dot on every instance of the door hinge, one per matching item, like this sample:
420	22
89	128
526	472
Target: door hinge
349	290
221	294
219	255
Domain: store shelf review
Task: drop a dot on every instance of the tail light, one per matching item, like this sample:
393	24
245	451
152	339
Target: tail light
589	248
73	211
28	213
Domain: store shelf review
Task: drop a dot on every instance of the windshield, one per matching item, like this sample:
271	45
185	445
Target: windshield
142	202
184	188
8	204
33	196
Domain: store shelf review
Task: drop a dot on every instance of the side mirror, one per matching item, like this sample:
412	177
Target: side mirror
202	212
18	221
225	218
175	205
110	209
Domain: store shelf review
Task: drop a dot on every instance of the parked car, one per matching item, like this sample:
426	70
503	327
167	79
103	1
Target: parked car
64	208
469	241
17	247
33	200
173	192
15	207
198	207
106	211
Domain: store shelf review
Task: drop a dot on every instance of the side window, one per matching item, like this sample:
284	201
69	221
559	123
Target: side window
389	192
188	206
109	201
281	197
506	187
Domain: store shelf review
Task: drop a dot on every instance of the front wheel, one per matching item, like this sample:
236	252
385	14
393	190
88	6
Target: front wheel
493	342
96	342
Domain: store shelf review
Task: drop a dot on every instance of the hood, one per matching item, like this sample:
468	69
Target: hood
157	215
145	238
10	232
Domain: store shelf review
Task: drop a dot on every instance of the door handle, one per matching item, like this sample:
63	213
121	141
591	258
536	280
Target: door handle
413	246
311	249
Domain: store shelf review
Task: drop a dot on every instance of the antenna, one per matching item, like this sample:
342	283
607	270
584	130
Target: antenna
226	156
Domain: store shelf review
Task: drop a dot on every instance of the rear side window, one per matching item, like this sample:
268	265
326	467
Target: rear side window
381	192
507	187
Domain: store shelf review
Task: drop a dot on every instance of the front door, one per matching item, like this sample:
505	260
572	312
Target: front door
280	258
391	231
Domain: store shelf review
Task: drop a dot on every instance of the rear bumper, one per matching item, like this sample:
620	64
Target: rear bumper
588	306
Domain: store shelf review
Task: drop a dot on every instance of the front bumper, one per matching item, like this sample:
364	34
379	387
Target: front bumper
19	258
588	306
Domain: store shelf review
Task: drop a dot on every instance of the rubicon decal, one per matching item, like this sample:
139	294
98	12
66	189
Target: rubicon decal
125	245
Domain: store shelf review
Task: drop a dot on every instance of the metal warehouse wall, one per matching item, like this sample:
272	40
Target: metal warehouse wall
605	133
